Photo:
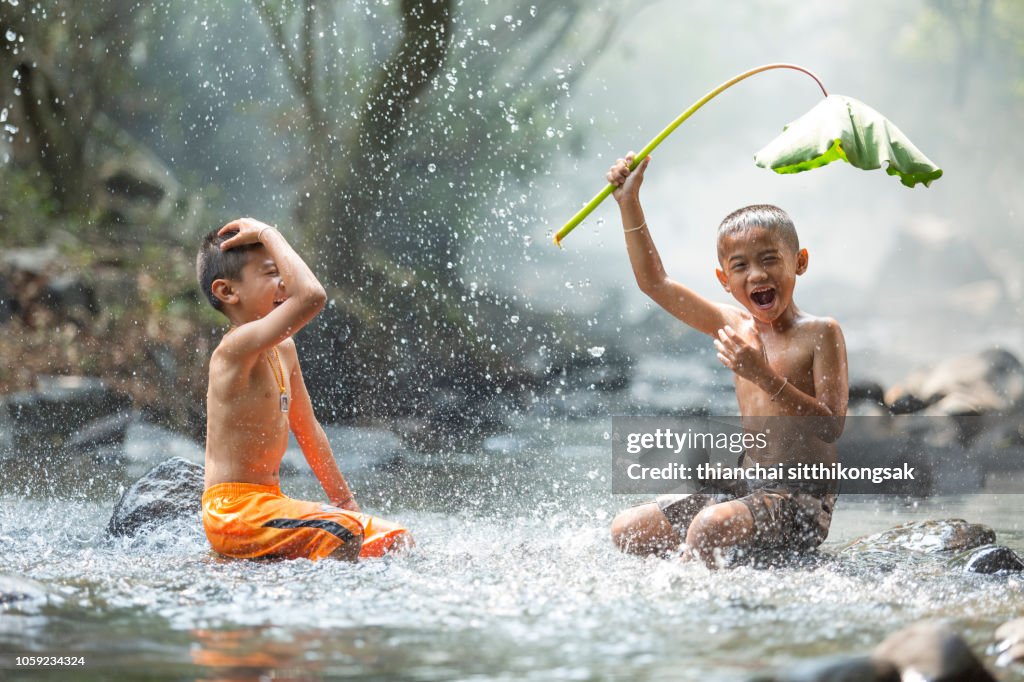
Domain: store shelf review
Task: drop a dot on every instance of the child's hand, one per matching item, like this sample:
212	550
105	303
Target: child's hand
628	182
748	359
248	232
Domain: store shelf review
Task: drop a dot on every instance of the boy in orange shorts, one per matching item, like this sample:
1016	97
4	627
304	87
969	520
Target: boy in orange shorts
249	272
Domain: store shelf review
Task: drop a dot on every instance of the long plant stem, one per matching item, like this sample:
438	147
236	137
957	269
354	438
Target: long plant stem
603	194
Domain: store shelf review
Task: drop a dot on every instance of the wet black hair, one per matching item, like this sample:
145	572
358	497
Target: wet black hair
759	215
212	263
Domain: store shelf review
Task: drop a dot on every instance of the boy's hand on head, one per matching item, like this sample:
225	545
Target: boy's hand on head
745	357
627	182
247	231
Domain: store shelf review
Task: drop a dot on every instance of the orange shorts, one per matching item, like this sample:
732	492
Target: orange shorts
245	521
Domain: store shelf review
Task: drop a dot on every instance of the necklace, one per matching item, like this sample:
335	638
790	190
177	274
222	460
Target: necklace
277	372
279	378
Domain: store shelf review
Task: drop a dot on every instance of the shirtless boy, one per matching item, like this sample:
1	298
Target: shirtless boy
256	394
786	363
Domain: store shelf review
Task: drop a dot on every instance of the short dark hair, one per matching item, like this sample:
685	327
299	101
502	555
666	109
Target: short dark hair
213	263
759	215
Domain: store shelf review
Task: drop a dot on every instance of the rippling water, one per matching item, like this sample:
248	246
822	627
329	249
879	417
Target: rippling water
514	577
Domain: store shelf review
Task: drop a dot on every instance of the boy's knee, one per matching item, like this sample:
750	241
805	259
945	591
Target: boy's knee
643	530
713	526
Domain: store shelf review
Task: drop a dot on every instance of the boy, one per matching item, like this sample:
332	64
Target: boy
249	272
786	364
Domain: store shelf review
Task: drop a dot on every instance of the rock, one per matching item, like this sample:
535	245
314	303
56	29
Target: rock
21	592
102	432
927	537
865	390
32	260
931	652
837	669
8	299
956	404
901	403
1010	642
990	381
45	419
988	559
69	297
171	490
1000	445
137	189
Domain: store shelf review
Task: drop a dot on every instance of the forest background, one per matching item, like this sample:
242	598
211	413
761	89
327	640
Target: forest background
420	154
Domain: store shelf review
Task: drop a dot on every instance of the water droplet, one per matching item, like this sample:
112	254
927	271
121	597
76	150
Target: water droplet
514	319
432	167
596	351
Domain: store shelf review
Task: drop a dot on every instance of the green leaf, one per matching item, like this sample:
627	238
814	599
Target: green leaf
841	127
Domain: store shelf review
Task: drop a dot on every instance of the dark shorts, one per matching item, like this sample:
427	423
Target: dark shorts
782	518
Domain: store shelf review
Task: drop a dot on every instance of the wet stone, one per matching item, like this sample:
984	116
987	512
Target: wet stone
20	594
47	418
931	652
927	537
171	490
865	390
988	560
990	381
102	432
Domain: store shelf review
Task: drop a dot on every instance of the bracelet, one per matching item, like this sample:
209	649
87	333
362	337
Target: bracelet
259	237
785	380
634	229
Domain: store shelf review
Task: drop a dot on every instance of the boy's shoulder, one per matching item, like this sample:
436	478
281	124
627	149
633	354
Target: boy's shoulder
225	356
819	325
817	322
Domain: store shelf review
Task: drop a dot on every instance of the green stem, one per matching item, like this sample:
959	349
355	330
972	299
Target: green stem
603	194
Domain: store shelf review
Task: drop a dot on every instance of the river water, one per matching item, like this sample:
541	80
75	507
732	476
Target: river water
514	576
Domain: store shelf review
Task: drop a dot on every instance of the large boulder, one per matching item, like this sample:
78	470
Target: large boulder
988	560
171	490
925	537
990	381
47	418
931	652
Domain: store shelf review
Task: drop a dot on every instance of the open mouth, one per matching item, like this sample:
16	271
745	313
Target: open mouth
279	301
763	297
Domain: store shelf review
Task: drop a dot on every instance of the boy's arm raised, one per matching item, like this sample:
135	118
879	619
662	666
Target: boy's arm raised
306	296
690	307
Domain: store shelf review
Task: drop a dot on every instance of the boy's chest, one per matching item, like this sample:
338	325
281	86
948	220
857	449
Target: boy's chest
793	358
